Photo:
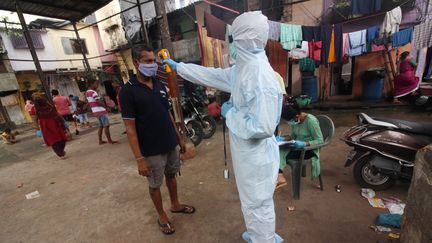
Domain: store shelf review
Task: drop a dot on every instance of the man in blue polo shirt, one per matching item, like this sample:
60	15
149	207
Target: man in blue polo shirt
152	133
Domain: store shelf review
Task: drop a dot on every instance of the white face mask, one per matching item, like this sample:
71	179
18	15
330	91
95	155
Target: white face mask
148	70
293	122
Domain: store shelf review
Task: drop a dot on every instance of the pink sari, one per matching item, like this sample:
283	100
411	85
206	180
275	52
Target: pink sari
406	82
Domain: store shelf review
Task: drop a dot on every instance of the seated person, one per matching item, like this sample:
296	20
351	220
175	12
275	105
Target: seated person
213	108
406	83
8	136
305	131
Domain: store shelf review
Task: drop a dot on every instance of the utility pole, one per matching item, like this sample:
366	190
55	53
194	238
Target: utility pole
86	62
162	21
143	24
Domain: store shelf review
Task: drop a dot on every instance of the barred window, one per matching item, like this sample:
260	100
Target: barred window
19	41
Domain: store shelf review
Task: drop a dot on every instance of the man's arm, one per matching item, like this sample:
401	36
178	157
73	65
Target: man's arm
144	168
179	137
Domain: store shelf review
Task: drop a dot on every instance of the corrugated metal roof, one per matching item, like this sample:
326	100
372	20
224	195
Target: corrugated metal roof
72	10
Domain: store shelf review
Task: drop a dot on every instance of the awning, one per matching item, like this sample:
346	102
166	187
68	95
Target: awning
72	10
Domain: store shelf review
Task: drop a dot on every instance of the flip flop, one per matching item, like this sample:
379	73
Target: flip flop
167	229
186	210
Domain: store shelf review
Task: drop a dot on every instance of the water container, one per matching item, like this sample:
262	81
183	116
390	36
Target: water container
373	85
309	87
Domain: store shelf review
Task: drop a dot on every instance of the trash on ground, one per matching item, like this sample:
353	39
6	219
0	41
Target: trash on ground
338	188
291	208
208	143
396	208
367	193
380	229
201	182
52	182
376	203
387	219
20	185
394	235
32	195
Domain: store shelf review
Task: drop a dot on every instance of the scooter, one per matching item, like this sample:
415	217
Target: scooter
190	109
384	149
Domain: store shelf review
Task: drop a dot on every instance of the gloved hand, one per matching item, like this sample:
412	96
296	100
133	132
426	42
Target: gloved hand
171	63
299	144
280	138
39	133
225	108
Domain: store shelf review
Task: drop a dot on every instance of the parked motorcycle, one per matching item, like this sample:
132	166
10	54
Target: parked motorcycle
193	130
384	149
190	107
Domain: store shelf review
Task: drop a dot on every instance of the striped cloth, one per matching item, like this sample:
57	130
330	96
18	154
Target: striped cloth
422	35
93	101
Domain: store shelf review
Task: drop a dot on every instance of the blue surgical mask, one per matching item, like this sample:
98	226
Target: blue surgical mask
148	70
293	122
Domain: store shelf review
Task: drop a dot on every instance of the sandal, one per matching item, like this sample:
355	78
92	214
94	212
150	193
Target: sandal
186	210
167	229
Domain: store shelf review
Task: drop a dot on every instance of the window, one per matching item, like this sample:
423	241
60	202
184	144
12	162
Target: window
72	46
19	41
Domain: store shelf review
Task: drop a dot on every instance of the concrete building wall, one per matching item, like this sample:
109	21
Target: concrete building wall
111	30
48	53
55	37
100	46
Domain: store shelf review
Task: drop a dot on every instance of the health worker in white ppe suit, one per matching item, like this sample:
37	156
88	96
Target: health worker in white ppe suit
252	115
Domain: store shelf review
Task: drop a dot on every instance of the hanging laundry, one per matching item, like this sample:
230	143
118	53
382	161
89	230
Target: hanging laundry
422	35
311	33
372	33
365	6
338	42
391	22
332	54
376	48
332	44
216	28
402	37
357	43
326	34
299	53
274	30
315	48
421	63
307	65
345	44
290	36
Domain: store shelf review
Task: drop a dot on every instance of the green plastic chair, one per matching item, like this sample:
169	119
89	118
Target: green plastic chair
298	167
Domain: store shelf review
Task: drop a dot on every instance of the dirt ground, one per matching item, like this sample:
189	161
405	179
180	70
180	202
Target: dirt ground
96	195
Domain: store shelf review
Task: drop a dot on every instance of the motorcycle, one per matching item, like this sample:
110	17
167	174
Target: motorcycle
190	107
384	149
193	130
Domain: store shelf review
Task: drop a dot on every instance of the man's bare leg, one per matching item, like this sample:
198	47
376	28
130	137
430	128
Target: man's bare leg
108	135
100	136
156	197
171	183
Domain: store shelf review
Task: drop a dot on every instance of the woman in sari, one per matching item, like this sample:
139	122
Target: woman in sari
406	83
51	124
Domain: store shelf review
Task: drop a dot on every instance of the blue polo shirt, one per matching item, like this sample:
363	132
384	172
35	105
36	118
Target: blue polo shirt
150	110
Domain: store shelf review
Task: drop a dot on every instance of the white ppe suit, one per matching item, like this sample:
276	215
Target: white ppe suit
257	104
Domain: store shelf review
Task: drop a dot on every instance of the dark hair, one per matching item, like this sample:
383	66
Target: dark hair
54	92
71	96
404	55
137	49
290	111
8	130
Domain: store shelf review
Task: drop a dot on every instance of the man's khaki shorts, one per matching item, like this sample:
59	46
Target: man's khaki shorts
163	164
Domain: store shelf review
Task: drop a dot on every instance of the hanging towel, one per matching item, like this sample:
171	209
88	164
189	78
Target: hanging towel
365	6
422	35
345	44
402	37
311	33
290	36
391	22
357	43
299	53
332	54
315	48
274	30
216	28
326	34
372	33
338	42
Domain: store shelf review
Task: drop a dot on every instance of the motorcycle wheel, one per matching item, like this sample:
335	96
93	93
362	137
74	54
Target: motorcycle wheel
209	126
368	177
194	132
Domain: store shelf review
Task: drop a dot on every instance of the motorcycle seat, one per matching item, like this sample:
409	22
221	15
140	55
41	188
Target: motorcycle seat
424	128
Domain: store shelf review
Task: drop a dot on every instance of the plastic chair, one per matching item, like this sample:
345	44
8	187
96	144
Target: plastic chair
298	167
